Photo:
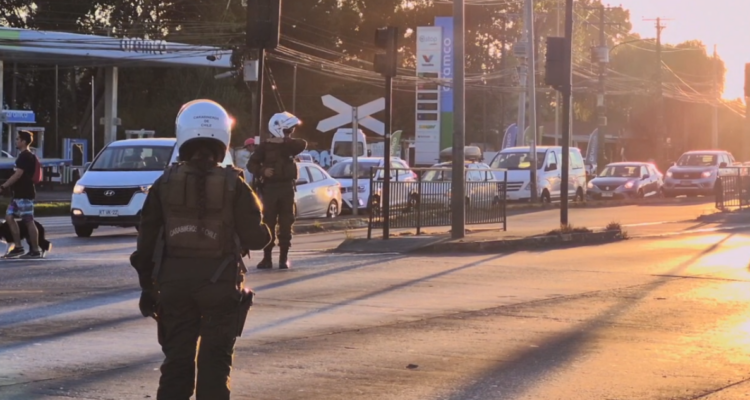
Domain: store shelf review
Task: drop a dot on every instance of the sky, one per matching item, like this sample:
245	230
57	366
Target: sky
724	23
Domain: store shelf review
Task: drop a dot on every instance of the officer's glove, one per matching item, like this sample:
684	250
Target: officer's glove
147	304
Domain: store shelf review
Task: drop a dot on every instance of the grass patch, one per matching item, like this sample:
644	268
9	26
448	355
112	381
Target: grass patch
613	226
566	229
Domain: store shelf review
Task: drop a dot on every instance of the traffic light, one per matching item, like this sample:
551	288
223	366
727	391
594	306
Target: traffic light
554	63
263	24
386	39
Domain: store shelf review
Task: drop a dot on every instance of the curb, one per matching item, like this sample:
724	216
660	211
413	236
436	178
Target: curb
564	240
329	226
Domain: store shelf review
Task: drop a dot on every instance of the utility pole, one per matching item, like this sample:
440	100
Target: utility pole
660	128
521	52
600	105
600	56
531	56
717	96
503	63
458	192
262	33
567	94
746	136
557	93
294	91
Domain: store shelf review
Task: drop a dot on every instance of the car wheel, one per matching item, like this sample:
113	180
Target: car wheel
333	209
83	230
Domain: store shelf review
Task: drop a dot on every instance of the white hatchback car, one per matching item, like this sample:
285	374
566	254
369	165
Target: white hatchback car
317	193
112	190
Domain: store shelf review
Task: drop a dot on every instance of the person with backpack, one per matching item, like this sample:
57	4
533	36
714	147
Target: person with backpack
27	173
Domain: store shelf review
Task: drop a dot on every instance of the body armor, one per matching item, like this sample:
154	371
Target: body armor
276	157
186	234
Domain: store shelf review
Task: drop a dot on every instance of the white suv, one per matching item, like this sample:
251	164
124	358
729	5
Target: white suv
112	190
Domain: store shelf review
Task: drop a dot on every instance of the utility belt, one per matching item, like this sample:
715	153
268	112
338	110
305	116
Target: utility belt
246	295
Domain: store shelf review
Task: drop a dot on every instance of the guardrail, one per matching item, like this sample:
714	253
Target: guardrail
421	197
733	188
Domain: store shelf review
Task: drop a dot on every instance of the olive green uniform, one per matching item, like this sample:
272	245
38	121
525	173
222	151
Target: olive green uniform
199	280
277	192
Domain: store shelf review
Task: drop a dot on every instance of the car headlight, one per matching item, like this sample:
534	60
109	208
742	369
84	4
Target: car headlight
590	185
706	174
145	189
629	185
79	189
669	174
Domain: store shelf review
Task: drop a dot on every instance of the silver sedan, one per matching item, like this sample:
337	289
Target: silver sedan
317	193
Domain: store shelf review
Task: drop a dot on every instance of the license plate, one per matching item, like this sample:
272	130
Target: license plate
108	213
608	194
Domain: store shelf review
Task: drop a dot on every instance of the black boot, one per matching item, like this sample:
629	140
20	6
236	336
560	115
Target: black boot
267	261
284	258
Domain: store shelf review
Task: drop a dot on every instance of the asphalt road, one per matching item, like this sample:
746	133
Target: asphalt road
640	319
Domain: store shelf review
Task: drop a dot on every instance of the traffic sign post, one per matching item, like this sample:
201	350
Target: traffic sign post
355	163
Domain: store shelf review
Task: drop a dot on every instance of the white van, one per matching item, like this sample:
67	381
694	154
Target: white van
343	142
548	160
112	190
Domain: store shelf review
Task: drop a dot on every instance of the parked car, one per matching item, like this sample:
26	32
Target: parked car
342	171
695	173
481	184
318	194
305	157
549	172
112	190
626	180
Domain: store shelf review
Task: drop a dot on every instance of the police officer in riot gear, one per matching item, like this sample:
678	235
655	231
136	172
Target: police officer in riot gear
197	222
272	164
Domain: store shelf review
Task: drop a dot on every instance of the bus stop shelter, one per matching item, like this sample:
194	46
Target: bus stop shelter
26	46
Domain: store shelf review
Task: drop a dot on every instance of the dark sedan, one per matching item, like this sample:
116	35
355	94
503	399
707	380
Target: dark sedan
626	180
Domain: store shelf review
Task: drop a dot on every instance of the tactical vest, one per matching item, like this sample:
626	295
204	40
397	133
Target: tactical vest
276	157
185	233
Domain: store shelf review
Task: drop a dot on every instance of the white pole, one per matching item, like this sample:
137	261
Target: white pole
93	122
355	164
531	57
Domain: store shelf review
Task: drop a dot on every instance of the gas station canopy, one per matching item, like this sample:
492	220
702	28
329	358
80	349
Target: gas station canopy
71	49
60	48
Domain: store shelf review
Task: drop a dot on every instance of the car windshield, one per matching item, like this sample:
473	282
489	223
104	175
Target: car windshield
437	175
344	149
133	158
343	170
516	161
621	171
697	160
440	173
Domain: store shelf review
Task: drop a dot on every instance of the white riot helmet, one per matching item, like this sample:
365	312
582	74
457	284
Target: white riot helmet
205	123
281	122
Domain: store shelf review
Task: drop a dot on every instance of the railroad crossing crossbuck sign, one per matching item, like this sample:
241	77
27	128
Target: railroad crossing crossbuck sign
344	117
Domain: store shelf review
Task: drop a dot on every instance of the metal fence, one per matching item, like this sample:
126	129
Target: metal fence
733	188
421	197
